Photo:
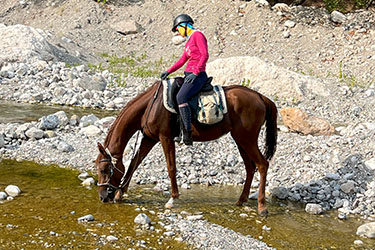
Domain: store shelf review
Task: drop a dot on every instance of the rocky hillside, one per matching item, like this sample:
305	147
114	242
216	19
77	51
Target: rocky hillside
304	39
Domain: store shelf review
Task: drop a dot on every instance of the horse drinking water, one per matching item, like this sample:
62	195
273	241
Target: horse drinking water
247	109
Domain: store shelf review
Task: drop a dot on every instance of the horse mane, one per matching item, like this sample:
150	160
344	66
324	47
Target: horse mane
121	114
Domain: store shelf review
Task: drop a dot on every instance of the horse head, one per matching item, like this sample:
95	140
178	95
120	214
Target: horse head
110	172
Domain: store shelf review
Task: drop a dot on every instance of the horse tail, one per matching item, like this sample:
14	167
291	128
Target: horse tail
271	128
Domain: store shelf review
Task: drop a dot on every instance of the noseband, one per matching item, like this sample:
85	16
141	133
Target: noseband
112	166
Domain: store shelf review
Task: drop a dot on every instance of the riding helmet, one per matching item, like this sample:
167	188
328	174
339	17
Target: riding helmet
183	18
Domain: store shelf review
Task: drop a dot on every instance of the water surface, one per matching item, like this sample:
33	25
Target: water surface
52	199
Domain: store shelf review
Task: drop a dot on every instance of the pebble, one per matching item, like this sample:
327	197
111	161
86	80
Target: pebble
13	190
86	218
142	219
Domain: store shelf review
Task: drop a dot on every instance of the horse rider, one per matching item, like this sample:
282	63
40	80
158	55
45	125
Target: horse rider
196	56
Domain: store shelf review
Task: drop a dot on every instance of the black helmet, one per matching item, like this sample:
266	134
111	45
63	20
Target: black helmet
183	18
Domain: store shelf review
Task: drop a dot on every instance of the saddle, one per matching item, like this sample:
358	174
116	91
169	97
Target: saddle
207	107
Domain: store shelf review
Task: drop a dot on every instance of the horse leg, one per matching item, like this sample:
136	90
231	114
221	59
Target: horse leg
170	157
252	152
146	145
250	170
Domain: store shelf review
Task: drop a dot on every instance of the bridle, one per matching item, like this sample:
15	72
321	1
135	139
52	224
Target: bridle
112	166
113	161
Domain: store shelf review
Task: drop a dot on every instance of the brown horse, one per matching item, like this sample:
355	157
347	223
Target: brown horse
247	112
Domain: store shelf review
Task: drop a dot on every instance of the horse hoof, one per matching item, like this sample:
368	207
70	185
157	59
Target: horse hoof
263	213
169	204
118	196
239	203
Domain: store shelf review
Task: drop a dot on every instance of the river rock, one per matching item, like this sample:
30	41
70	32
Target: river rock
88	120
3	196
91	130
312	208
65	147
338	17
49	122
12	190
348	187
370	163
34	133
83	176
2	141
280	193
142	219
74	120
111	238
88	182
86	218
367	230
63	119
97	83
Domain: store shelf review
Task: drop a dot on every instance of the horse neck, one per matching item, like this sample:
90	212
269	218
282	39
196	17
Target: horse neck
126	124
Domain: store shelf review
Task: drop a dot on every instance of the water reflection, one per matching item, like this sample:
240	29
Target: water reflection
52	199
23	112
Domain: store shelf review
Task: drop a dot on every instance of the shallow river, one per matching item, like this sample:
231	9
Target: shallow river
46	212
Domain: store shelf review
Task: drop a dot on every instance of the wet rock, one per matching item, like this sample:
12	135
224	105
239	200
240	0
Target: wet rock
83	176
367	230
111	238
86	218
142	219
280	193
312	208
12	190
88	182
3	196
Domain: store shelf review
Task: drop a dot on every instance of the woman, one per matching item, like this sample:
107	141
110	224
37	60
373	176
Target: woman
196	54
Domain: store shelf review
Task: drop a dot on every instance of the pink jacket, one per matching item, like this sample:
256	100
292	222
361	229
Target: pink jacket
196	53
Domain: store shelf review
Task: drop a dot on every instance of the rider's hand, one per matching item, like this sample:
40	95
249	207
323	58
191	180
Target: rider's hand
164	75
190	78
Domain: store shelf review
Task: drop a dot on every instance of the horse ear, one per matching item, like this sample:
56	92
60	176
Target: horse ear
101	149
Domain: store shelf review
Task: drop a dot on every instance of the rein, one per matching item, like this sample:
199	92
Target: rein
113	161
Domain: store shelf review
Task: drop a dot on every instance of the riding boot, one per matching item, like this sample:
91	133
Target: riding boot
178	138
185	114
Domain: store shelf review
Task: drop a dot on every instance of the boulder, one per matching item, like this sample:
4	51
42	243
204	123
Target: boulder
88	120
266	78
127	27
297	120
20	43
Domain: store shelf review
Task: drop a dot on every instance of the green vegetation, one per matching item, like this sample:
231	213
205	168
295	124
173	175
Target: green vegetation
345	5
131	65
350	80
246	83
